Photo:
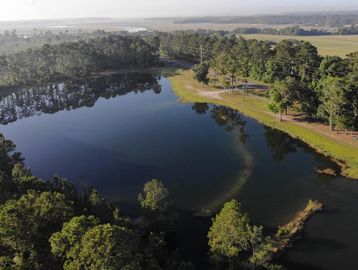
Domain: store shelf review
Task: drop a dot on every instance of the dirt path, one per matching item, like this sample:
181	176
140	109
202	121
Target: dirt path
341	136
208	93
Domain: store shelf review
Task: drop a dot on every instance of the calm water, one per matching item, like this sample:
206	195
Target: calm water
117	132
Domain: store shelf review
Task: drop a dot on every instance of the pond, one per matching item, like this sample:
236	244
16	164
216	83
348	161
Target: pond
116	132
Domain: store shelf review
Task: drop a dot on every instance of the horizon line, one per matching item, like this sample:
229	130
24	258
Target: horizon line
292	13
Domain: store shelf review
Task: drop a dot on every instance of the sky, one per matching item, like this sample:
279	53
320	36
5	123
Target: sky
47	9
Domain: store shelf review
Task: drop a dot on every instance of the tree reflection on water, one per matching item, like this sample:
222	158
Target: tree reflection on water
71	95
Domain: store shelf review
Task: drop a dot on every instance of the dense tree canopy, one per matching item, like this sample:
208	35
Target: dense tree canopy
27	223
75	59
201	71
234	240
282	95
104	246
154	197
13	42
333	99
229	233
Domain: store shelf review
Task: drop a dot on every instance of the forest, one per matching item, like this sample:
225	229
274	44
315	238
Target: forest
324	88
329	19
298	31
13	42
74	59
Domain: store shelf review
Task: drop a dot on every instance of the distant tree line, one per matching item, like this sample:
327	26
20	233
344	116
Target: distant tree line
348	30
332	20
13	42
286	31
75	59
324	88
289	31
297	31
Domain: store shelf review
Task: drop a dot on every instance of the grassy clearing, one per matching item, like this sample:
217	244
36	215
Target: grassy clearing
339	45
344	154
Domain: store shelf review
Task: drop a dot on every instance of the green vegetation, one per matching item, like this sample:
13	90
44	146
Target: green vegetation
333	100
92	246
297	31
236	244
154	198
12	42
186	45
233	241
53	62
229	234
50	225
328	19
201	71
333	45
157	207
281	96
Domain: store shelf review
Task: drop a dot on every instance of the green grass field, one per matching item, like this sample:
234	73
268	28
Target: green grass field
255	107
327	45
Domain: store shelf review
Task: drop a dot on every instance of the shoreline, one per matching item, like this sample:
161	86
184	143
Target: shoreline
343	154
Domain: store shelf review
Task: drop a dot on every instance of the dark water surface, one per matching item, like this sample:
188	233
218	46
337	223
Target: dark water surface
117	132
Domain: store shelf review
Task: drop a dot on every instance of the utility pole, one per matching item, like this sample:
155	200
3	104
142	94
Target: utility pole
201	53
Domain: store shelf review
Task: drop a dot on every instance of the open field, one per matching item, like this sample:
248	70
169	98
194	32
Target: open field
168	25
327	45
345	154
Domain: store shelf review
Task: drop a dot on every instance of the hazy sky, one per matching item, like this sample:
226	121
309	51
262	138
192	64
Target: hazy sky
44	9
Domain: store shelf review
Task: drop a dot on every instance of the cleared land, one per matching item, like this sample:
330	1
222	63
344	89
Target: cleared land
169	26
343	151
327	45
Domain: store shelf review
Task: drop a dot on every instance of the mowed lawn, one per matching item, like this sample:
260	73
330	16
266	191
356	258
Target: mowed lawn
327	45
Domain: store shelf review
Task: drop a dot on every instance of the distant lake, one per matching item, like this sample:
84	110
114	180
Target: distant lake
117	132
130	29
